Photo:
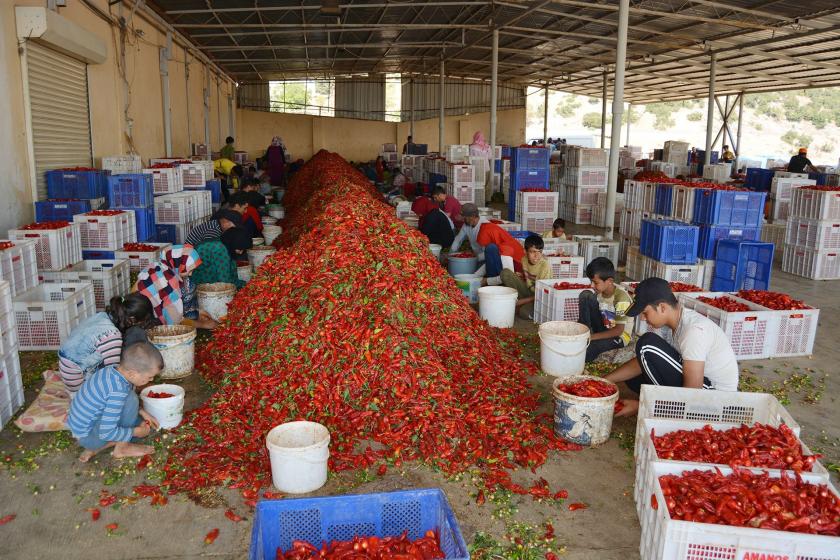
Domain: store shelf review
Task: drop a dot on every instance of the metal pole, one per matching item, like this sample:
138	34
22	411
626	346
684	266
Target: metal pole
207	112
165	54
710	116
187	87
618	109
494	83
219	110
545	117
629	120
738	134
442	116
604	112
411	101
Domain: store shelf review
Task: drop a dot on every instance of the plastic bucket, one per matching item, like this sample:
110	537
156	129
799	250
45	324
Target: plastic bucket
563	347
583	420
271	233
177	345
298	453
257	241
469	284
497	305
214	298
412	221
257	255
462	265
268	221
244	272
167	411
435	249
276	211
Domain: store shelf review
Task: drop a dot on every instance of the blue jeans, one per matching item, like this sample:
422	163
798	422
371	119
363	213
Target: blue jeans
492	260
129	418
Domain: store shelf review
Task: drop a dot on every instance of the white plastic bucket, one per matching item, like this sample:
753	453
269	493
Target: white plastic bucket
177	346
563	347
298	453
469	285
257	241
276	211
271	233
257	255
214	298
244	272
412	220
268	221
435	249
582	420
497	305
167	411
461	265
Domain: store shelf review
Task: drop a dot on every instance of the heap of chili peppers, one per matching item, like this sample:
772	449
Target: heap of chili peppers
462	255
570	286
678	287
58	224
162	166
773	300
426	547
104	212
725	303
140	247
6	245
759	445
159	395
821	188
354	324
745	499
590	388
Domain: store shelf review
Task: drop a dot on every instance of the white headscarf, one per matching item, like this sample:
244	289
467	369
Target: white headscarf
276	141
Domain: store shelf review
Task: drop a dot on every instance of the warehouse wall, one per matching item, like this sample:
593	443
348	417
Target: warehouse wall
110	134
357	139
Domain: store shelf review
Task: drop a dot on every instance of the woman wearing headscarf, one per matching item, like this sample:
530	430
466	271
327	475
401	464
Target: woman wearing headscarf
421	206
275	159
218	258
433	223
167	285
479	147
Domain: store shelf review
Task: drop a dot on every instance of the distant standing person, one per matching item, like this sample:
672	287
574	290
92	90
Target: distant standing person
727	156
479	147
228	152
800	162
275	160
408	147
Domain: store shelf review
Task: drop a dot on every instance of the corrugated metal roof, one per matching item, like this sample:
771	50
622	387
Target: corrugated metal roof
762	45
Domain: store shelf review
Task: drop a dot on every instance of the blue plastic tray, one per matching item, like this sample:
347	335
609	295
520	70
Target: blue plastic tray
669	241
521	234
710	235
76	184
663	199
145	219
529	179
759	179
215	188
56	210
279	522
131	190
742	265
729	208
529	158
96	254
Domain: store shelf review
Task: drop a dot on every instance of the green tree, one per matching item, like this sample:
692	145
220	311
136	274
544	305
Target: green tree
694	116
567	107
790	137
591	120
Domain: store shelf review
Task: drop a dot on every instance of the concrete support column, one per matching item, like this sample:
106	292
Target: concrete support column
494	86
629	121
737	145
545	117
411	106
618	109
442	115
710	116
165	54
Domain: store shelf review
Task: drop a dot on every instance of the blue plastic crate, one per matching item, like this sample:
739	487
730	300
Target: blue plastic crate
742	265
529	179
669	241
166	233
759	179
96	254
215	188
663	201
506	151
131	190
436	179
53	210
710	235
729	208
521	234
76	184
387	514
820	178
145	220
529	158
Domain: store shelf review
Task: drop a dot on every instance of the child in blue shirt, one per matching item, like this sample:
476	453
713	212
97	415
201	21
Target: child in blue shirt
106	411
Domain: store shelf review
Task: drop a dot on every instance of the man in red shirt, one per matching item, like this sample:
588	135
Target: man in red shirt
496	242
451	206
251	220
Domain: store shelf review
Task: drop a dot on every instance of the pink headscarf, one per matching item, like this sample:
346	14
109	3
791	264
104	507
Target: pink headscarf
276	141
478	140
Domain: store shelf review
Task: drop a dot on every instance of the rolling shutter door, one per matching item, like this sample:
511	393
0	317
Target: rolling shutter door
58	105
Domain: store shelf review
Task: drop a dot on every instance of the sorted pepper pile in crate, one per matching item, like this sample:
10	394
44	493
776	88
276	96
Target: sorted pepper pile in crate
773	300
570	286
140	247
759	445
426	547
354	324
725	303
590	388
58	224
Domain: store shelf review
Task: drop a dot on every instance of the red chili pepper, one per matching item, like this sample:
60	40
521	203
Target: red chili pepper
551	556
232	516
677	287
95	514
725	303
426	547
773	300
272	495
7	518
590	388
462	255
211	536
576	506
549	531
78	169
106	499
619	406
382	469
144	462
111	527
479	498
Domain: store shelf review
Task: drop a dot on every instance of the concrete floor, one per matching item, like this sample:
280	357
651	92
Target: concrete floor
50	502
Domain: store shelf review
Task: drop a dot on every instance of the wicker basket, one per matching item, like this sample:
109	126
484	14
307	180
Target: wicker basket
177	345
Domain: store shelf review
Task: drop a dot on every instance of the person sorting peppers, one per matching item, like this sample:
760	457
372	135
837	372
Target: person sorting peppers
700	355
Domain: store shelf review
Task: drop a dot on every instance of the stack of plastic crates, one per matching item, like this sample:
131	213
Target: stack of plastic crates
109	278
57	244
812	239
176	214
11	383
19	264
742	265
101	235
165	180
528	170
47	313
669	241
536	211
76	183
139	257
727	214
585	176
135	191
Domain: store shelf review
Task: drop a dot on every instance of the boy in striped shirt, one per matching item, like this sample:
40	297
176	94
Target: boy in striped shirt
106	411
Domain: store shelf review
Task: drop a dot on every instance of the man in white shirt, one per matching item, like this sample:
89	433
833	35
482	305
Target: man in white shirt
470	232
700	356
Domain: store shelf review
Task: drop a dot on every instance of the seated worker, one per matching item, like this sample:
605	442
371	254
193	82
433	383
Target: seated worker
251	220
438	227
106	411
605	310
534	267
496	243
699	356
221	221
558	230
451	206
98	340
230	173
218	258
250	188
469	231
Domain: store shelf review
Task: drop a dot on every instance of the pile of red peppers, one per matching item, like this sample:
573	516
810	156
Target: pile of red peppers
773	300
570	286
58	224
759	445
354	324
426	547
590	388
140	247
725	303
745	499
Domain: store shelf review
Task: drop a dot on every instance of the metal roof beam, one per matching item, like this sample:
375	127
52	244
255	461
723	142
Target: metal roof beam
332	26
313	7
333	46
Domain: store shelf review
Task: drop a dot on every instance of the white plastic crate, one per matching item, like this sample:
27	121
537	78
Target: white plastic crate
556	245
819	235
207	164
54	248
586	196
750	333
585	176
178	208
489	213
781	187
194	175
544	202
109	278
166	180
537	223
566	267
592	249
814	204
142	260
781	210
11	386
631	222
204	203
551	304
46	314
403	209
663	537
775	234
796	333
578	214
507	225
688	273
633	266
460	173
19	266
8	332
389	147
682	202
465	193
599	216
457	153
107	233
122	164
576	156
643	486
708	272
817	265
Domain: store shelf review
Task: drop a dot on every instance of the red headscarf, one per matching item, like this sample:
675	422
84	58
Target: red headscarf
422	206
